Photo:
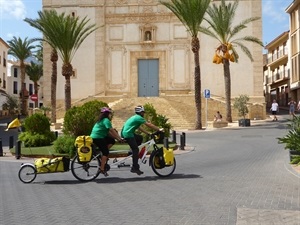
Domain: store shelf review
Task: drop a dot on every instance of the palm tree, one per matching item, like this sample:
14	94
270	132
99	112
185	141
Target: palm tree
47	23
220	20
21	49
35	72
191	14
65	34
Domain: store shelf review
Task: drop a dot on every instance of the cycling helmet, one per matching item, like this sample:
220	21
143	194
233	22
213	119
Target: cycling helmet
105	109
139	109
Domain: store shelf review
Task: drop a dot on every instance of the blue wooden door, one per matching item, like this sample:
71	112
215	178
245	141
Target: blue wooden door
148	82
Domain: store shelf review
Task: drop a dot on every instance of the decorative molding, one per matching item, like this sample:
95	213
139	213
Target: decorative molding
145	1
121	2
137	18
147	9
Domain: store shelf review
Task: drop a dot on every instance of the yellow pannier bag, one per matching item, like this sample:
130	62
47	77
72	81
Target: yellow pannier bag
168	156
46	165
84	148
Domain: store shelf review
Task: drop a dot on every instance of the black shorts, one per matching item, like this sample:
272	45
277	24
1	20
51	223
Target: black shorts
274	112
102	144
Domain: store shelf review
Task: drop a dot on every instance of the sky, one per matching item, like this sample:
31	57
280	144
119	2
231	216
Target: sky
12	13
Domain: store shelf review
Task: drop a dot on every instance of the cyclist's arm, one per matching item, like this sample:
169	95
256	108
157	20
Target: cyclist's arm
114	134
152	126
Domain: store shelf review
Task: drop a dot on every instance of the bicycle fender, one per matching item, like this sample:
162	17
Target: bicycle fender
25	164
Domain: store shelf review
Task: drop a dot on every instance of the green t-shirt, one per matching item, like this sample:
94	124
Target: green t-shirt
131	125
101	128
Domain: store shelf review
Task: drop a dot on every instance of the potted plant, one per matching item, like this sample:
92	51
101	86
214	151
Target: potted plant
291	140
241	104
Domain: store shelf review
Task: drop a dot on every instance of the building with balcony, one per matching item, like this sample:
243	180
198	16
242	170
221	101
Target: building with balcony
14	84
3	70
293	10
277	70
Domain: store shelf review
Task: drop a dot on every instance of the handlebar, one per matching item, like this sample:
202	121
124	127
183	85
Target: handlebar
152	135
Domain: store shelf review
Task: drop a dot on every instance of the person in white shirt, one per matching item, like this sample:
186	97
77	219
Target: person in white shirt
274	109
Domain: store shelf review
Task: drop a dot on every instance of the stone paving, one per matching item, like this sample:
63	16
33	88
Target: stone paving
228	176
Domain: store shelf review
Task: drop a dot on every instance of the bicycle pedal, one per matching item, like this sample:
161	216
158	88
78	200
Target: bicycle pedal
144	161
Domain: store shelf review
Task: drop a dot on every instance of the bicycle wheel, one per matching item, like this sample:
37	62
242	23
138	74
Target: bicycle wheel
159	170
27	173
85	171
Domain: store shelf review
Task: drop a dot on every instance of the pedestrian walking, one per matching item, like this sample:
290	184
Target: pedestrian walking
292	105
274	109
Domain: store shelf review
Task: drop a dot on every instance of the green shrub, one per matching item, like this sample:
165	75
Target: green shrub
80	120
37	140
65	145
157	119
37	131
291	140
37	124
295	160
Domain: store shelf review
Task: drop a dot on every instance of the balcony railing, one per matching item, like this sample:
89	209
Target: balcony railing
277	55
278	76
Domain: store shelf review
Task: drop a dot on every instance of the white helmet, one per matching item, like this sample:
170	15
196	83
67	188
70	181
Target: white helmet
139	109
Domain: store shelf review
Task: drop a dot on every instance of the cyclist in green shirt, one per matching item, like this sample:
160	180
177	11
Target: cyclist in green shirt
104	135
134	140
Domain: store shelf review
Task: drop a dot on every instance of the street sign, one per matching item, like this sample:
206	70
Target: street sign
207	93
33	97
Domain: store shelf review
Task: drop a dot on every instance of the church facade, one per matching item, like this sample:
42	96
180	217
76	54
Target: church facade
142	50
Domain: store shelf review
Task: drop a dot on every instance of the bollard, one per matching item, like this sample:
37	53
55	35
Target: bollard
18	150
1	149
11	142
181	142
166	143
183	134
174	136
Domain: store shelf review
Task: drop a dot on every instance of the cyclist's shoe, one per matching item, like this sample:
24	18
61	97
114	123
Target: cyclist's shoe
137	171
104	172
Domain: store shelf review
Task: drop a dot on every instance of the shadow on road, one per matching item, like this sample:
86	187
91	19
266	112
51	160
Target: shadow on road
147	178
112	180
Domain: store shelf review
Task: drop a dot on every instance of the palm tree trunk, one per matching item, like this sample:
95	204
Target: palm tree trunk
67	93
23	88
54	58
197	80
36	91
67	72
227	81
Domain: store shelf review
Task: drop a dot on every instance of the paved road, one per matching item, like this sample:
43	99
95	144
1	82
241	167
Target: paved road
234	176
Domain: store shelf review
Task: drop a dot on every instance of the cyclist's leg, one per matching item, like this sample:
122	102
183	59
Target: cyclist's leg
103	147
110	141
138	139
135	152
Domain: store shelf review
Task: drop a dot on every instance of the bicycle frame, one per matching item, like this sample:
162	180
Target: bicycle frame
121	163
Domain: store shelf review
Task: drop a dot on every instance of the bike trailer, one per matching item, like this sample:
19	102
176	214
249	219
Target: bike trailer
84	148
46	165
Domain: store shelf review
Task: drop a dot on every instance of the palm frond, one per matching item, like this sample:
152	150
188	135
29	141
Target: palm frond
244	49
190	13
